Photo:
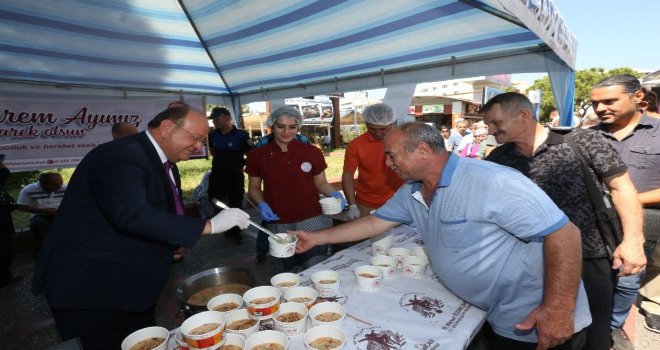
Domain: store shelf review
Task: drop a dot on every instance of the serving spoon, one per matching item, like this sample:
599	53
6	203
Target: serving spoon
289	239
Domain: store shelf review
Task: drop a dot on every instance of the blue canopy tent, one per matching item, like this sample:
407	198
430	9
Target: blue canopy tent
235	52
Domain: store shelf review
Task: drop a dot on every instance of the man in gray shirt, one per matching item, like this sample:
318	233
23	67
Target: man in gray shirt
636	136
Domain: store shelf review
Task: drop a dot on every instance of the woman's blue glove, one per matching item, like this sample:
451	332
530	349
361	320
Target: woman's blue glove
267	213
340	196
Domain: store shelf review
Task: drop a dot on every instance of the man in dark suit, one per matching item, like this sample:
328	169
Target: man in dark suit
107	253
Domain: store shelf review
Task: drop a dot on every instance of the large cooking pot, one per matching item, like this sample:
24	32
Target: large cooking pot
209	278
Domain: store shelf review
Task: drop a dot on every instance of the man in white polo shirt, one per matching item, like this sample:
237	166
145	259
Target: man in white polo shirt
41	200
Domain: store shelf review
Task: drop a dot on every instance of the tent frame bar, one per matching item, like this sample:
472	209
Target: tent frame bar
494	12
121	89
381	74
266	93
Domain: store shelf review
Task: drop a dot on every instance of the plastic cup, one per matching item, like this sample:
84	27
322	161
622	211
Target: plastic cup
398	253
223	302
267	337
293	327
324	314
237	322
145	334
262	302
381	243
415	266
234	342
327	333
368	277
209	338
386	263
330	205
326	282
285	280
281	250
304	295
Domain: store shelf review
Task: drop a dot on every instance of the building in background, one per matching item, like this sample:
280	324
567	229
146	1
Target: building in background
434	102
443	101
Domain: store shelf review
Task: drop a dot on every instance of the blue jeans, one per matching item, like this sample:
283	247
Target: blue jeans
626	290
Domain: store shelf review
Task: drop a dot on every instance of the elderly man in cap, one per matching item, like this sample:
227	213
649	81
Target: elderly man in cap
228	145
375	183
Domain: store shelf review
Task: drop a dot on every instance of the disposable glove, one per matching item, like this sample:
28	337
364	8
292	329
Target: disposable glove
340	196
353	212
229	218
267	213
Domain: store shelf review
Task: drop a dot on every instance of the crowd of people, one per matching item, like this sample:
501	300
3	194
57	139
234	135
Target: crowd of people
544	274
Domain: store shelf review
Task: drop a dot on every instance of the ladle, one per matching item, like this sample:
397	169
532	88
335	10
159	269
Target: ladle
289	238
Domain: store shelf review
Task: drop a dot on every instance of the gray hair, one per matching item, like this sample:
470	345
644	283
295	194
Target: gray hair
379	114
284	111
460	121
511	103
629	83
417	133
480	131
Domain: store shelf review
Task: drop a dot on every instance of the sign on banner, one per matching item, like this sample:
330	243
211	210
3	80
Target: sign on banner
38	134
317	111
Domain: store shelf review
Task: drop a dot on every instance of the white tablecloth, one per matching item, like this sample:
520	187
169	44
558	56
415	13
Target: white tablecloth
405	313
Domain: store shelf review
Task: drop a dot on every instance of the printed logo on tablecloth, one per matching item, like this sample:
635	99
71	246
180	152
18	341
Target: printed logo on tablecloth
435	277
425	306
332	259
405	237
307	283
347	265
457	316
341	298
376	338
428	345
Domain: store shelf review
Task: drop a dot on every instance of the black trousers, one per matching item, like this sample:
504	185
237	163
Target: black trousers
498	342
38	227
6	254
599	282
101	329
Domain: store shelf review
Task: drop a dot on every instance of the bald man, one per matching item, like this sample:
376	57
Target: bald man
107	254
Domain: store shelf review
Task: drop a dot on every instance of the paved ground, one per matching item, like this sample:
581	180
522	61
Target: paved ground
26	322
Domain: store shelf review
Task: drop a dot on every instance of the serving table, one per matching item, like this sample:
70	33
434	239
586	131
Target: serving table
405	313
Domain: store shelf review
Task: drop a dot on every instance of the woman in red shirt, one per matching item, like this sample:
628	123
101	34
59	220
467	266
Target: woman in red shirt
285	179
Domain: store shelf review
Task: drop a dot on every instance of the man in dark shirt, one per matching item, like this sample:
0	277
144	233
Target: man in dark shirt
544	157
228	146
636	136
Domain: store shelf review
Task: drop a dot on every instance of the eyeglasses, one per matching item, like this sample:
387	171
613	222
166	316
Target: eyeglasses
194	137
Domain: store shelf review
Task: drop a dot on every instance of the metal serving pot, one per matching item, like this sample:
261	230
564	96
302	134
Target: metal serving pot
209	278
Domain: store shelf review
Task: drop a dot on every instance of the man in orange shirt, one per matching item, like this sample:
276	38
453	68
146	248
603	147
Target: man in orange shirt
376	183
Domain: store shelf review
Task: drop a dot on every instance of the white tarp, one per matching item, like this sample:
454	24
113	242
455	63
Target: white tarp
234	52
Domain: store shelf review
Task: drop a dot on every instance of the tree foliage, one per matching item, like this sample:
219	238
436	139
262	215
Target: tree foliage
584	80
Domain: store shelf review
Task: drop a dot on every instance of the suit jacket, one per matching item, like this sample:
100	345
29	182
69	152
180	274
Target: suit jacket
110	243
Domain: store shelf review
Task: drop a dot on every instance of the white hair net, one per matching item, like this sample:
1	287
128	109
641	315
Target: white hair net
284	111
379	114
